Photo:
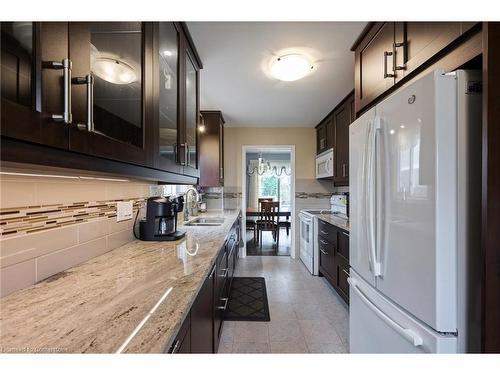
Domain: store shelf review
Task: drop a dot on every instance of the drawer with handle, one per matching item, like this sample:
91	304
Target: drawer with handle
327	232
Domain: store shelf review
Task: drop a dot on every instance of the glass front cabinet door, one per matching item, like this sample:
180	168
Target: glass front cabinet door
166	90
111	89
35	76
192	113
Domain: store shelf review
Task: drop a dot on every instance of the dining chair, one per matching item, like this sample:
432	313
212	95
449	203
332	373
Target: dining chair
268	221
252	225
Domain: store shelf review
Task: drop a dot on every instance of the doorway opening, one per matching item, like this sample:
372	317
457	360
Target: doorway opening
268	187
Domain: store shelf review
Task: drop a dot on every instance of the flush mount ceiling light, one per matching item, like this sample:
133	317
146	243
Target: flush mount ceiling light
114	70
290	67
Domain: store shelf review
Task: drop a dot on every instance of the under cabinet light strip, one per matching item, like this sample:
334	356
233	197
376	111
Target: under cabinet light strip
39	175
63	176
141	324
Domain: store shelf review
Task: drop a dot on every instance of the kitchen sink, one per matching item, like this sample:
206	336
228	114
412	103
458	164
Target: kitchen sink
206	222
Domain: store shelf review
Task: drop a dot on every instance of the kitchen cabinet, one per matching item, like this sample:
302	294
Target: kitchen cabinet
182	342
121	91
333	244
342	117
333	132
32	70
211	146
416	42
166	116
111	93
386	53
373	63
206	317
220	298
324	135
202	317
191	110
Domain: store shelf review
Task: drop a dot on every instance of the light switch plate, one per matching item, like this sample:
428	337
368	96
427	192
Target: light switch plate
124	210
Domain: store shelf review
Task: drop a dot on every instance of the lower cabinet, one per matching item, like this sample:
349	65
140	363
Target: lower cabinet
182	343
333	245
201	330
202	317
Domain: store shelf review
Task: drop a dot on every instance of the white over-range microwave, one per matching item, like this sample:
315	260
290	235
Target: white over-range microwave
324	164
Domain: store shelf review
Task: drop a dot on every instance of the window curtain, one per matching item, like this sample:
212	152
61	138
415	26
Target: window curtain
253	186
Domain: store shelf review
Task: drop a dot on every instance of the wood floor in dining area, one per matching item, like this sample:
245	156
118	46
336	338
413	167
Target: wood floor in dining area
307	316
268	244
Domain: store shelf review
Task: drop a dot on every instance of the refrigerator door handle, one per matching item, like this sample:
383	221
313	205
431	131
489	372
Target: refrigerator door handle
371	194
407	333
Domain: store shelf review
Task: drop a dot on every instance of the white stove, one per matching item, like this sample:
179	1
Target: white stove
309	238
309	249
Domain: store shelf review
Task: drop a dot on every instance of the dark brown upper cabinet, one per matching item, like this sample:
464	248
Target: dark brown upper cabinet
388	52
324	135
34	70
342	118
415	42
116	91
333	132
374	64
111	90
166	88
176	93
211	146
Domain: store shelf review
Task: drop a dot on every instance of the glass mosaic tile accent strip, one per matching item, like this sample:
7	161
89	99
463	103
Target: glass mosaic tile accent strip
29	219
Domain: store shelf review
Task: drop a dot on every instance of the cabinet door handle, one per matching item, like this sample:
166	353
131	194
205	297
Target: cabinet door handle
345	234
323	242
344	168
224	273
184	146
88	80
176	155
66	66
212	272
223	308
323	251
176	347
221	171
387	75
347	273
395	46
323	232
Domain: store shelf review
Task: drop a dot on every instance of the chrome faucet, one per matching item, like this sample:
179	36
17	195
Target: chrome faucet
188	203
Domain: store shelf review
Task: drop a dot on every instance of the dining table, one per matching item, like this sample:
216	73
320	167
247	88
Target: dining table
253	212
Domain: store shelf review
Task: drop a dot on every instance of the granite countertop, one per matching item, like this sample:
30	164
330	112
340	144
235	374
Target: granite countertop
131	299
336	220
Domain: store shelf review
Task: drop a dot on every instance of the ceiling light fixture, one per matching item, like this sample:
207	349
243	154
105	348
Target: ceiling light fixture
114	70
291	67
167	53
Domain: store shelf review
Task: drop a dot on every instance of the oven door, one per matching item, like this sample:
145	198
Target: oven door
306	241
324	164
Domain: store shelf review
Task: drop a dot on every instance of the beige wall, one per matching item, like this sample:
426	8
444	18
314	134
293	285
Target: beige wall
304	140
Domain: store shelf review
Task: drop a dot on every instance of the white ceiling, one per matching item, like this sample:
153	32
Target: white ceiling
236	57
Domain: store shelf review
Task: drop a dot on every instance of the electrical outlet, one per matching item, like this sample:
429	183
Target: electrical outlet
124	210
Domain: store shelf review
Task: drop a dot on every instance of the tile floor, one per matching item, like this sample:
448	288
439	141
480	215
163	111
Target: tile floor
268	244
307	316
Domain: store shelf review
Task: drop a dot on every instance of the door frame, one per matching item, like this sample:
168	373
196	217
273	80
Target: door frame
257	148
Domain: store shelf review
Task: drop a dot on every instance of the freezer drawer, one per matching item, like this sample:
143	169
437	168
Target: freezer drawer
376	325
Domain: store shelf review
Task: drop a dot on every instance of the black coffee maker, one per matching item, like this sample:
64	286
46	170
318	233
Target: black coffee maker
160	223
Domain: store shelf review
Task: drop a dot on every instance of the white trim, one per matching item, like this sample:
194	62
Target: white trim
256	148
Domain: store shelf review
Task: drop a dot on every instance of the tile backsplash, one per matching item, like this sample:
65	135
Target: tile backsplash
50	224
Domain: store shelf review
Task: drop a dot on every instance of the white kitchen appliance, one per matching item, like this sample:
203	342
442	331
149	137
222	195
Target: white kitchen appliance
324	164
415	183
309	250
